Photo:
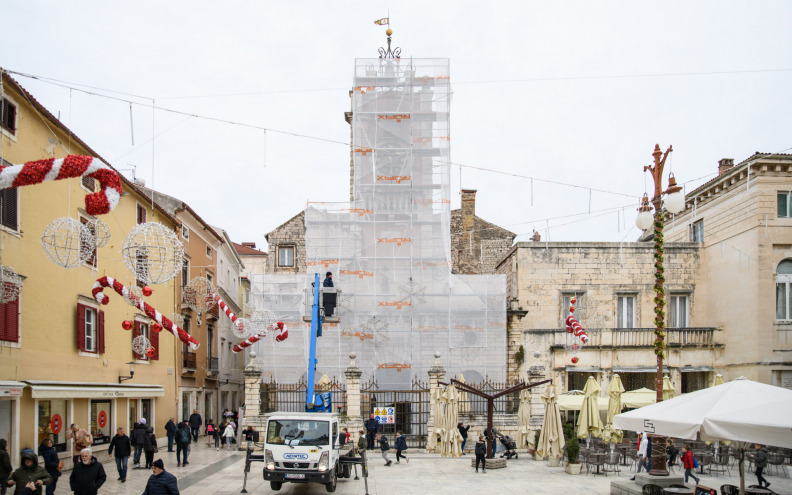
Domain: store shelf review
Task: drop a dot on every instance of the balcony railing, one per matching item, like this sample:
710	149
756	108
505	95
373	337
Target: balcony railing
188	361
213	365
640	337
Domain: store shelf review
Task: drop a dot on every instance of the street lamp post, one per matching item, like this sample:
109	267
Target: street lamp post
674	203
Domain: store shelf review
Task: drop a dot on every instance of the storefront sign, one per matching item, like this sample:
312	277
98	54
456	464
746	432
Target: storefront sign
11	392
56	423
102	419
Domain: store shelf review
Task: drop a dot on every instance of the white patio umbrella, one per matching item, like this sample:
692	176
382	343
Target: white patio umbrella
638	398
451	438
741	410
525	438
589	422
668	389
439	418
615	390
551	440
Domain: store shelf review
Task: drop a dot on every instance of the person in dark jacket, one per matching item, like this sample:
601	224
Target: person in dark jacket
760	460
5	466
328	281
384	447
195	424
51	463
28	472
161	482
150	446
139	440
689	464
123	447
372	426
463	430
170	429
88	475
182	443
481	454
401	446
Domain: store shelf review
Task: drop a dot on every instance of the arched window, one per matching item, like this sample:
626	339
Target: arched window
783	286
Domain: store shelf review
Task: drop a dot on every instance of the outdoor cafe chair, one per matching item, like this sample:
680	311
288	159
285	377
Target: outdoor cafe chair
652	490
775	459
704	461
720	463
730	490
597	461
612	460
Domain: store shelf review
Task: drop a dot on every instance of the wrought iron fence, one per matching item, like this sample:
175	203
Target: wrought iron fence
411	409
290	397
471	404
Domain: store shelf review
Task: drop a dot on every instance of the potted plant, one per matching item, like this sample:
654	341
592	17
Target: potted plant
573	449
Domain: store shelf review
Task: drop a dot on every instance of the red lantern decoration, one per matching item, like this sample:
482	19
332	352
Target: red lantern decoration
127	325
574	360
156	327
147	291
573	300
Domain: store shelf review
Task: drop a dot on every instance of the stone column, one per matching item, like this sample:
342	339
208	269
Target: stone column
436	375
252	387
353	375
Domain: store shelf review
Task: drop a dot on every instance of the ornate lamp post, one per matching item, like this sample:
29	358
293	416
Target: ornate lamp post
674	203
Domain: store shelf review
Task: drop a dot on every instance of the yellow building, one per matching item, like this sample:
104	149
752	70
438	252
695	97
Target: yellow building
63	357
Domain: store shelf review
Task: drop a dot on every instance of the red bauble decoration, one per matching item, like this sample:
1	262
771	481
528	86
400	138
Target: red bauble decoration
127	325
156	327
150	351
147	291
573	300
571	309
574	360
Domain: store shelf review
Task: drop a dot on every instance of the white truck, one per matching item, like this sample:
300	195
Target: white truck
304	448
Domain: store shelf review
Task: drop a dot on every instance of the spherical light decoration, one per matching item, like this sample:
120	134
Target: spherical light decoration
644	220
240	328
260	320
133	295
10	284
67	242
198	294
177	320
126	325
100	231
153	253
675	202
573	348
140	345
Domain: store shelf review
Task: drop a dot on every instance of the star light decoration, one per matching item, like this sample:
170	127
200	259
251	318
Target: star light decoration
344	304
377	328
413	291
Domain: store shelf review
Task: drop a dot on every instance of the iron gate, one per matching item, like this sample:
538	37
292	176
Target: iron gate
411	409
290	397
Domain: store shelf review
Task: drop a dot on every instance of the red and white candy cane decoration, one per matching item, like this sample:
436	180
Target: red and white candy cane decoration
152	313
39	171
573	326
231	316
280	326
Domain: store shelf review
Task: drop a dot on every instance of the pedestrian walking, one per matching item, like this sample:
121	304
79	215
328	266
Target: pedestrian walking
139	440
182	444
384	447
29	472
760	460
689	463
401	446
5	466
228	434
82	439
52	464
372	427
121	446
161	482
170	429
209	432
463	431
150	446
362	443
88	475
195	424
481	453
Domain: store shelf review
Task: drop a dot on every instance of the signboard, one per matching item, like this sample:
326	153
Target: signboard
11	392
384	415
102	419
56	423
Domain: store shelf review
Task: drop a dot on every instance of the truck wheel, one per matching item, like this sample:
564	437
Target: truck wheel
276	485
331	487
347	471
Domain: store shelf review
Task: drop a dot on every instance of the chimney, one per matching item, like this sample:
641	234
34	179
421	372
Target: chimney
724	165
249	244
468	208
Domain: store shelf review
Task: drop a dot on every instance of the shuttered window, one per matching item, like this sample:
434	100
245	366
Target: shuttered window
90	329
8	113
92	228
141	214
8	208
9	321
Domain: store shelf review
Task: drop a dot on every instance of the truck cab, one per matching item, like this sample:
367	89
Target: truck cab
303	448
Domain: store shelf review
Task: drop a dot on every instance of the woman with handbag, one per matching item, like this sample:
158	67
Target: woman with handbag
52	464
82	440
150	446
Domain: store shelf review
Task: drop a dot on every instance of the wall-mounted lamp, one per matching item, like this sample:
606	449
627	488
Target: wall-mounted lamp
122	378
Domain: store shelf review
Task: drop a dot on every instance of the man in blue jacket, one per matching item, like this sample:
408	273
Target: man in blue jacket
161	482
372	427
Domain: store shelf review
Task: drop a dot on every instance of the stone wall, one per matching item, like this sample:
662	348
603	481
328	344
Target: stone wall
291	234
476	245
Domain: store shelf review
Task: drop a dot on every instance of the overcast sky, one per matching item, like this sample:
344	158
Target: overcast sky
575	92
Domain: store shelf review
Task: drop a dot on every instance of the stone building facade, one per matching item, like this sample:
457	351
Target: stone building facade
476	245
287	246
613	284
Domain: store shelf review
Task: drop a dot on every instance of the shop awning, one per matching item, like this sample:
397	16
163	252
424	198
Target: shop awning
11	388
81	390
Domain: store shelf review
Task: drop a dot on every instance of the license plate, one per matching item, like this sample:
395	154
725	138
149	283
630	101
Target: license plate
291	476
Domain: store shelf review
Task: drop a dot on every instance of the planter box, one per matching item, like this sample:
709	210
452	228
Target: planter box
573	468
554	461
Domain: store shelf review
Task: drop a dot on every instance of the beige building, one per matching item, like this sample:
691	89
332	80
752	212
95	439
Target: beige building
63	357
613	285
742	221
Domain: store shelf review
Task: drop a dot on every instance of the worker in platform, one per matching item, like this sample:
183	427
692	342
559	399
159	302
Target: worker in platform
329	299
328	281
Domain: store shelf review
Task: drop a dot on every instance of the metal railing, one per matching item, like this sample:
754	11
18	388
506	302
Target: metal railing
213	364
639	337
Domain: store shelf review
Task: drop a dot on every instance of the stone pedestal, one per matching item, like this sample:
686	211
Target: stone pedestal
252	387
496	463
353	374
436	375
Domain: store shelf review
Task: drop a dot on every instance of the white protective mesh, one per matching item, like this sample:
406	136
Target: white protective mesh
389	250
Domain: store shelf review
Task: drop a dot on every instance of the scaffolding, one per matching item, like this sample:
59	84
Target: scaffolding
390	249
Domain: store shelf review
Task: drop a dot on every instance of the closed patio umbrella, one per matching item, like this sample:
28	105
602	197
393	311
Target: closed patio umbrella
551	440
451	438
668	389
717	380
464	402
439	418
589	422
525	438
615	390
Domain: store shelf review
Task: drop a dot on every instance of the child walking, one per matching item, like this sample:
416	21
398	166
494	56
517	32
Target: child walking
401	446
688	463
384	447
481	452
